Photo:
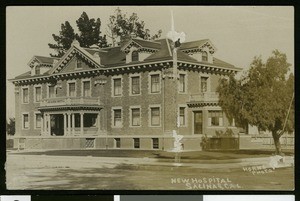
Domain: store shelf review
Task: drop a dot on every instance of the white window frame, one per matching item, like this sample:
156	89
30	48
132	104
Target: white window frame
113	85
131	118
130	84
208	83
150	83
34	94
221	120
24	113
185	115
34	120
82	89
22	94
185	82
48	90
150	117
113	116
68	90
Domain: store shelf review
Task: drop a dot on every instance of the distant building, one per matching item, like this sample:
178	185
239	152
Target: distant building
121	97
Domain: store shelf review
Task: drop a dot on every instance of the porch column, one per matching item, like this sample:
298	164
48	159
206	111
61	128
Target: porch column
73	124
49	125
98	122
42	123
69	123
65	124
81	123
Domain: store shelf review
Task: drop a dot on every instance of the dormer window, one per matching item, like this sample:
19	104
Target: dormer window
37	70
204	56
78	63
135	56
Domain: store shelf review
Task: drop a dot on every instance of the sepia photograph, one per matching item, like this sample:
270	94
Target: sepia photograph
150	98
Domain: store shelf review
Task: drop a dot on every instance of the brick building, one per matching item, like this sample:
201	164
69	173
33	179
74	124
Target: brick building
131	97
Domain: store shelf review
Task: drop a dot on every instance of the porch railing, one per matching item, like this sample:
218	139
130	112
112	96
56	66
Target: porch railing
70	101
205	96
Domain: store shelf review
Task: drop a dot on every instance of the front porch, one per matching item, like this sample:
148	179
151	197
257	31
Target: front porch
70	123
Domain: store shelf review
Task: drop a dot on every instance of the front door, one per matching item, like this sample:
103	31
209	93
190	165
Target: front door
57	124
198	122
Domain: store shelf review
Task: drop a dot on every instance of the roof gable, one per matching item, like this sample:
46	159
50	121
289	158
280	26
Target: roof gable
143	45
195	46
75	51
41	61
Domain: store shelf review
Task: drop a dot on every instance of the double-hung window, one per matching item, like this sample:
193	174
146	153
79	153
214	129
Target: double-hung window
135	116
38	94
25	95
86	88
72	89
215	118
117	87
155	116
155	83
182	87
117	117
135	85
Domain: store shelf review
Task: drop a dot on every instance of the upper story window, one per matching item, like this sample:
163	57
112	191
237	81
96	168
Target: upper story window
155	83
51	91
204	84
204	56
86	88
135	85
78	63
38	94
117	86
25	95
182	83
135	56
215	118
72	89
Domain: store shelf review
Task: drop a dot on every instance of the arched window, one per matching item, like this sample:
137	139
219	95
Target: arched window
204	56
135	56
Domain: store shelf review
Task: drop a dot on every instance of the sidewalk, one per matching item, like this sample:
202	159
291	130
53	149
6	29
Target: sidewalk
27	160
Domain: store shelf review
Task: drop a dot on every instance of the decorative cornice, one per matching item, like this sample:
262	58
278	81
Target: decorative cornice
202	104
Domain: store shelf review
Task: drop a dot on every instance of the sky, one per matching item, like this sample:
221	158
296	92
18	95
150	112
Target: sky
238	32
15	198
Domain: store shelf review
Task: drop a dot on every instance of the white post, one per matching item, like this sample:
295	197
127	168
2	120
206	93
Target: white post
42	123
65	124
98	122
69	123
81	123
49	125
73	124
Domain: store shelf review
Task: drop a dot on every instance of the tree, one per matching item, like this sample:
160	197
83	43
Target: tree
10	126
121	26
263	97
89	34
63	40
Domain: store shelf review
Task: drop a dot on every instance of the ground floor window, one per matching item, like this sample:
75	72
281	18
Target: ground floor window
182	116
117	117
215	118
155	116
136	143
25	121
90	120
117	142
155	143
38	120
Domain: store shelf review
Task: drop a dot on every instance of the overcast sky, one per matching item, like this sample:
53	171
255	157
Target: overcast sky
239	33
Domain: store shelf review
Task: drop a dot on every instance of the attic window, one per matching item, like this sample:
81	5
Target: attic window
204	56
37	70
135	56
78	63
